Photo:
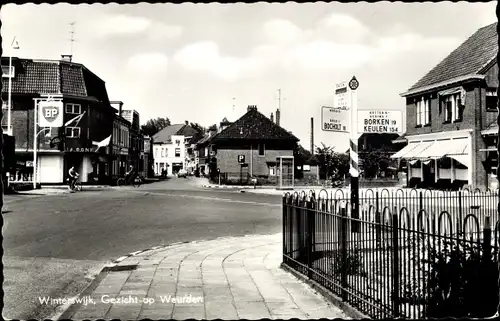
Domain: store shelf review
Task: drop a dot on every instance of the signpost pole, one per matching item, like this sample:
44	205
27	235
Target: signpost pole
35	143
353	153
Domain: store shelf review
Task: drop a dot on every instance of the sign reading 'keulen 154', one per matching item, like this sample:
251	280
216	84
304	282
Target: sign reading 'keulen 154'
334	119
380	121
50	113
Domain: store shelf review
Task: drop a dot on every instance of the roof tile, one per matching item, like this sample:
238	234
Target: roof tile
254	125
469	58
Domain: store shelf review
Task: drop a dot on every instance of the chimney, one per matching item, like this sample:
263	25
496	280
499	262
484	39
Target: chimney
277	117
252	107
66	57
187	123
120	108
272	117
312	135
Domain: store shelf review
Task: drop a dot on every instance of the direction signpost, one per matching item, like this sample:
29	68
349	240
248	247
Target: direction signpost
353	152
345	117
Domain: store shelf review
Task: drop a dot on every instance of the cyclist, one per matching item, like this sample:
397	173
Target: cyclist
73	176
130	175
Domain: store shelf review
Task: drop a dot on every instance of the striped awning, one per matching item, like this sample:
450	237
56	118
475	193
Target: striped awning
413	150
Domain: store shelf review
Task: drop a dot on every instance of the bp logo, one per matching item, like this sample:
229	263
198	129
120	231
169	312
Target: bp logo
50	113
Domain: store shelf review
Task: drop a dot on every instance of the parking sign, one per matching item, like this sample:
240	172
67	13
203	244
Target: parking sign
50	113
241	159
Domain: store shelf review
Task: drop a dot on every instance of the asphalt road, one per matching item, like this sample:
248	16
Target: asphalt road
54	245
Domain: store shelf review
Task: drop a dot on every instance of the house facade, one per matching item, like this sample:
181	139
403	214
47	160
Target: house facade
249	147
88	118
120	144
170	149
451	115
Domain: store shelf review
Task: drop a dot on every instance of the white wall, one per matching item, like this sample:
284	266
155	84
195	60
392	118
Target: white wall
50	169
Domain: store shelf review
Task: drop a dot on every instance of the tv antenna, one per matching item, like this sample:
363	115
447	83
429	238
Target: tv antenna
233	103
72	36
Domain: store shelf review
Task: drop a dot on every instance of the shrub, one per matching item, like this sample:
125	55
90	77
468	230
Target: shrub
353	264
455	280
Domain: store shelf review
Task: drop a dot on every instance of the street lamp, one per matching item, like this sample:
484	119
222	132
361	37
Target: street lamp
15	46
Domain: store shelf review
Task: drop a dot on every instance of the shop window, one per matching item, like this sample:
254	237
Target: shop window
72	132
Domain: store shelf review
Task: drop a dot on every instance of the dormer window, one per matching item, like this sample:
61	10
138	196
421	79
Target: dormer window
8	72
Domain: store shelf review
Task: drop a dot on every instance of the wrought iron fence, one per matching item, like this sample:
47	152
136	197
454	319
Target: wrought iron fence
410	254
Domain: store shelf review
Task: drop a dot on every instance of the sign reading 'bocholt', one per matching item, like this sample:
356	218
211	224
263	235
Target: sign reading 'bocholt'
380	121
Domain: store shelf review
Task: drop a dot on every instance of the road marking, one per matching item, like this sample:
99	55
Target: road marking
208	198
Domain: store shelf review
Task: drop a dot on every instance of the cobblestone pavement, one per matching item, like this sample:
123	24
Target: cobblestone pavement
226	278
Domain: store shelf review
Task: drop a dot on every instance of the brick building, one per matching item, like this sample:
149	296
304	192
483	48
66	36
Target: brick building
255	137
120	144
83	94
451	115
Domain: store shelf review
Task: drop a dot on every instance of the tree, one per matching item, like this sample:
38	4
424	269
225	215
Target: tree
153	126
332	165
375	161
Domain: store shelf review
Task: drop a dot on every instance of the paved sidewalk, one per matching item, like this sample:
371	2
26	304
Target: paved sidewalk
227	278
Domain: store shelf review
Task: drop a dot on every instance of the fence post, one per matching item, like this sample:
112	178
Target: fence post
284	210
487	239
343	251
378	219
421	202
395	265
459	225
310	218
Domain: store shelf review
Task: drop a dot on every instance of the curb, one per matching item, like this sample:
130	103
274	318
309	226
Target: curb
327	294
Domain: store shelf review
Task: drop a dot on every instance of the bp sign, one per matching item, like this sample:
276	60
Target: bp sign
50	113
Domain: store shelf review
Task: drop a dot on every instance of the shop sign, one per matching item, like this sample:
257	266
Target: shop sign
380	121
50	113
79	150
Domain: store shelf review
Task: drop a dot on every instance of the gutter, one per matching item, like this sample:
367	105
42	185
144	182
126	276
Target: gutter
420	90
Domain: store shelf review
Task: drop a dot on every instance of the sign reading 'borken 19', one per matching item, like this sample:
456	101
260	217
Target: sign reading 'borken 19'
380	121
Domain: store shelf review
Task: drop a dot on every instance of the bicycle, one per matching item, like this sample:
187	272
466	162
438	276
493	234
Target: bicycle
136	182
77	185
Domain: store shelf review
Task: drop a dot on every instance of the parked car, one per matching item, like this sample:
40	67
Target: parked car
182	173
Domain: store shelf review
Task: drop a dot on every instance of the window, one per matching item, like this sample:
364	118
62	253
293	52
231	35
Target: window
418	106
73	109
8	73
177	152
73	132
491	100
272	170
262	149
423	108
163	152
156	152
453	109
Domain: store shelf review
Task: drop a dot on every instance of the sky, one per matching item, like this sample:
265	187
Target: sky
204	62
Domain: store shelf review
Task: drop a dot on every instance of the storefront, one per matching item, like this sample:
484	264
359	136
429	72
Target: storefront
445	156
